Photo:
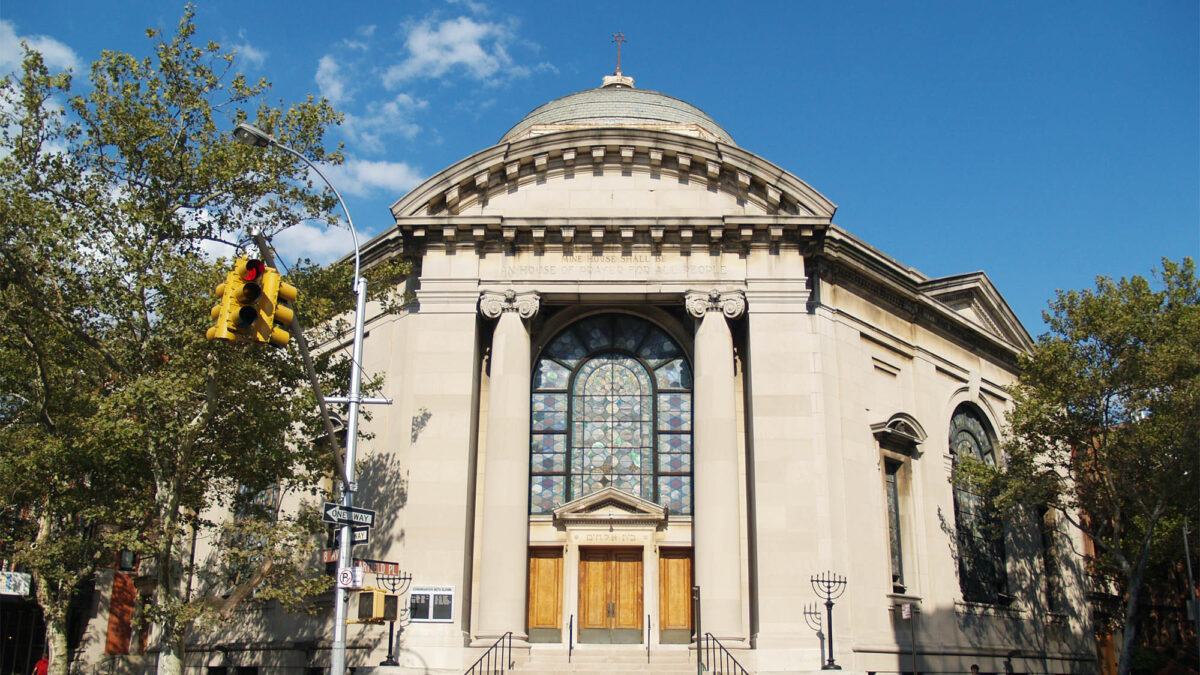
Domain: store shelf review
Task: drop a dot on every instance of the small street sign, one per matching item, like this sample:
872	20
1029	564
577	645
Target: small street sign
381	567
358	535
378	567
350	577
337	514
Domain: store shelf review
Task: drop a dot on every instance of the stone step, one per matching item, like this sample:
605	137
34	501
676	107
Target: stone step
607	660
583	669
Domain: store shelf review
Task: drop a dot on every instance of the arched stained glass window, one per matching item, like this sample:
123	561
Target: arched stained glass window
611	407
981	558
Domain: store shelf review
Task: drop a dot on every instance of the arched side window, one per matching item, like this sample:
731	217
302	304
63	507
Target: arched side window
611	407
981	558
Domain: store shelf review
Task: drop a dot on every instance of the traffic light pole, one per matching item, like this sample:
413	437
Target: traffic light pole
338	656
254	137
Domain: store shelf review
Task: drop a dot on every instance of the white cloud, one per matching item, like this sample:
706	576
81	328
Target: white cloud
476	8
366	33
321	244
329	80
434	49
56	55
211	249
363	177
252	55
382	119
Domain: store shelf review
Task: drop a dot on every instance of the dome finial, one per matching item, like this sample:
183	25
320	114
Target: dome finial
617	80
618	38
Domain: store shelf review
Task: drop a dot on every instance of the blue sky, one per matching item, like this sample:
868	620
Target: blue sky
1042	142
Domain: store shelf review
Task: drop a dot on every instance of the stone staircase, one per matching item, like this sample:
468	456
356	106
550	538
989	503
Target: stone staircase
597	659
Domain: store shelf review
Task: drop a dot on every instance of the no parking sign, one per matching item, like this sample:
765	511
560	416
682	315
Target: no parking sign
350	577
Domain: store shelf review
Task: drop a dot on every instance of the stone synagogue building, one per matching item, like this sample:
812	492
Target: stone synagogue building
639	358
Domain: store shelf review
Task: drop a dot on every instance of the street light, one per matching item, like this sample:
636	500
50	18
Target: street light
257	138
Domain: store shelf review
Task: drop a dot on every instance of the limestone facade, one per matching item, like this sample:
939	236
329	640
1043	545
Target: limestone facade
824	376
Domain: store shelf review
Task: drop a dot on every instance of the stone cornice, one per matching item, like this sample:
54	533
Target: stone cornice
416	233
846	261
528	161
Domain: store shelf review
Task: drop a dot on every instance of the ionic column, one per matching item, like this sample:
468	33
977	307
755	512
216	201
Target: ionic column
717	521
505	537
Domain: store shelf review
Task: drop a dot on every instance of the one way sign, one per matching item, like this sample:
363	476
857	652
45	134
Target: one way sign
347	515
358	535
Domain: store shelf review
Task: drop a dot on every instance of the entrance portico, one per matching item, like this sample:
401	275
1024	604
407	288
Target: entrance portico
620	572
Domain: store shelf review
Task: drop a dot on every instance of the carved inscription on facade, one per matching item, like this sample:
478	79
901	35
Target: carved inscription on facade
609	538
602	267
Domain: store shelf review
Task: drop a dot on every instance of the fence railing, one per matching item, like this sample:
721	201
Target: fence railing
497	659
716	659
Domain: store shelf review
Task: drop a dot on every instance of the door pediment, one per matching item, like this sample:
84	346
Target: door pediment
611	506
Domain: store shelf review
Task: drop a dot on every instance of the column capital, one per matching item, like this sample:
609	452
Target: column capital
492	304
699	303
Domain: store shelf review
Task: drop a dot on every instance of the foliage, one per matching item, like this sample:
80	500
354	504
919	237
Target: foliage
1105	427
121	427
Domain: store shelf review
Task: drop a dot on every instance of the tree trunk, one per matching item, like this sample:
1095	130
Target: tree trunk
54	609
1134	578
1129	636
166	591
56	644
170	659
170	642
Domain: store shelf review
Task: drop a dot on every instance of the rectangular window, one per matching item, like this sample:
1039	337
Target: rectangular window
1047	524
895	538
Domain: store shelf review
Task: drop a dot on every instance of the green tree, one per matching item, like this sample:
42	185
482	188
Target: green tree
120	425
50	378
1105	427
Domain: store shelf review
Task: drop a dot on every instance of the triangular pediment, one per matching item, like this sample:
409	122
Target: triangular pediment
610	505
974	298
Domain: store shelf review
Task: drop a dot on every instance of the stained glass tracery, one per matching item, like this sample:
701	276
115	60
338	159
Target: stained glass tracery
980	541
611	406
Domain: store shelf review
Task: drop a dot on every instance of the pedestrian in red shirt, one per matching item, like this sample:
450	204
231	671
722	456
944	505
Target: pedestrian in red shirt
42	666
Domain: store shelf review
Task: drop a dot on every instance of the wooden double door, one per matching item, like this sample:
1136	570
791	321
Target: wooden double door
610	596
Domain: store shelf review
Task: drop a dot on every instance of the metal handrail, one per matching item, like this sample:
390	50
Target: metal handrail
647	638
491	661
717	659
570	638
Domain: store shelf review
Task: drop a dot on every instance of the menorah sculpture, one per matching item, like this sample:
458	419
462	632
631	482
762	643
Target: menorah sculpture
398	584
830	586
812	617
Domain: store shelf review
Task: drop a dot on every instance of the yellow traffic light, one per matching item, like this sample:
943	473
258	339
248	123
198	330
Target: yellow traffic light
238	315
220	313
251	305
277	316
